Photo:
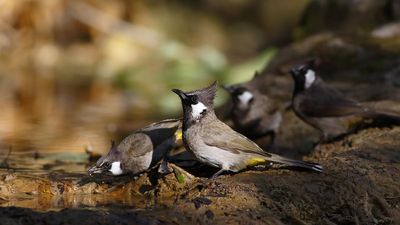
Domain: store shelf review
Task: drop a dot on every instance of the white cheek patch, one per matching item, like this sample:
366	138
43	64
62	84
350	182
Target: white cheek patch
197	110
310	78
245	97
116	168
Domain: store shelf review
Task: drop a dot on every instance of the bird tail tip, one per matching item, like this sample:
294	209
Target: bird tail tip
317	167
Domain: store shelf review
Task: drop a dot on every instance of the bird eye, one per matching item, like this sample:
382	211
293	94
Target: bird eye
238	91
251	100
193	99
106	164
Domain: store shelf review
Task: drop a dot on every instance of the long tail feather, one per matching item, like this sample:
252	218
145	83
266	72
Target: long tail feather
386	117
295	163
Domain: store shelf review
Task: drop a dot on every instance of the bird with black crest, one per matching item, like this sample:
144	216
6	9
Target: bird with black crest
253	113
214	143
328	110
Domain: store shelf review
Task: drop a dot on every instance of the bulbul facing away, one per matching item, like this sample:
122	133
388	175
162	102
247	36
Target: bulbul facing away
254	114
214	143
326	109
139	151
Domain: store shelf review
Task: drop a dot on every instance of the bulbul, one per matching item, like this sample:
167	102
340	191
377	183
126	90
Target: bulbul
214	143
140	151
253	114
327	110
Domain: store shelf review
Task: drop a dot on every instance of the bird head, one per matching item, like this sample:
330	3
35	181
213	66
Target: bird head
241	95
197	104
304	75
108	164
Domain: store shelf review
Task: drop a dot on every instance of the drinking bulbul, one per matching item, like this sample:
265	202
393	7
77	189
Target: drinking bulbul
327	110
254	114
140	151
214	143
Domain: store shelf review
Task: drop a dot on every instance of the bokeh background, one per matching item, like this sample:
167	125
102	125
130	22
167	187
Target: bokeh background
75	74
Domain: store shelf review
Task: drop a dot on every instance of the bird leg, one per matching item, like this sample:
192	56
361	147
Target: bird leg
164	167
217	173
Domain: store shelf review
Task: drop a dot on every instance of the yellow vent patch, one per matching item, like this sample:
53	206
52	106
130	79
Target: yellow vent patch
255	161
178	134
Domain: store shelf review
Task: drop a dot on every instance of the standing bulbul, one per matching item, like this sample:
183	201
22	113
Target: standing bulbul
214	143
140	151
253	114
327	110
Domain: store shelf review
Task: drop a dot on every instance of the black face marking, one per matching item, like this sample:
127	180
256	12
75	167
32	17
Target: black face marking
251	100
299	75
106	165
192	109
193	99
238	91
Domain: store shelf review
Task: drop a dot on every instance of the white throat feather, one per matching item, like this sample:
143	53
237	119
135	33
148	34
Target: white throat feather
116	168
310	78
245	97
197	109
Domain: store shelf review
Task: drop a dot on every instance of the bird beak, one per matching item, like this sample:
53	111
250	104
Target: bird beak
181	94
228	88
94	170
294	72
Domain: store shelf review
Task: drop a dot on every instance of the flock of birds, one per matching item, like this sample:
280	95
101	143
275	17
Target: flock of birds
212	142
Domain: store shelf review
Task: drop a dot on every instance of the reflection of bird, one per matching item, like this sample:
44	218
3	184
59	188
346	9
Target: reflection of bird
215	143
326	109
254	114
139	151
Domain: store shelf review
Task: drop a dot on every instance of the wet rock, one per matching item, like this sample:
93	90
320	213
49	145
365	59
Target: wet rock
209	214
349	63
199	201
387	31
346	15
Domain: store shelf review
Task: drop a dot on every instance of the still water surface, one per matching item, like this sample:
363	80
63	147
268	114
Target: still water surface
43	159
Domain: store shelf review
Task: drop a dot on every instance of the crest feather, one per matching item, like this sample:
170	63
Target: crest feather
206	95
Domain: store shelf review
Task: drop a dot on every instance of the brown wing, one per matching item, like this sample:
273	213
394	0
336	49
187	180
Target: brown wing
145	139
136	144
161	131
323	101
270	105
164	124
220	135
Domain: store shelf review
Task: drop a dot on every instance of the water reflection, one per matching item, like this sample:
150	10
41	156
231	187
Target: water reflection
43	158
59	180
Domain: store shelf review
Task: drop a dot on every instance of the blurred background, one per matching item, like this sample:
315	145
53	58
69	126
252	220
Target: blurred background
75	74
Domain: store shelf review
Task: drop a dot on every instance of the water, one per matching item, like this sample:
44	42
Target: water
43	159
59	180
